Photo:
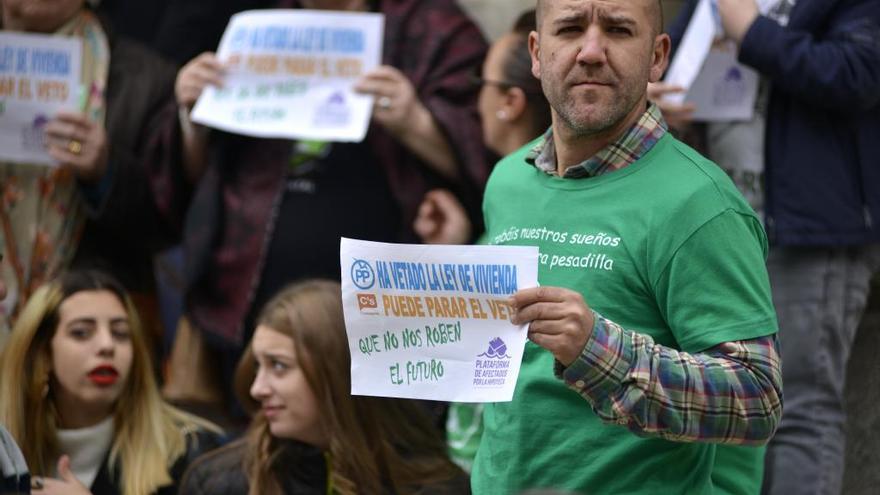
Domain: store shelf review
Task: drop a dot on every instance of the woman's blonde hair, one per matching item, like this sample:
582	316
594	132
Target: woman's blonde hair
149	433
375	444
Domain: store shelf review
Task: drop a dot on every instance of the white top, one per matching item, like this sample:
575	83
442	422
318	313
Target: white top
87	448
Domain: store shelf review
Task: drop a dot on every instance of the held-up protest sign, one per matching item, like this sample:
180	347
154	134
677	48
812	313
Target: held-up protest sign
432	322
290	74
39	76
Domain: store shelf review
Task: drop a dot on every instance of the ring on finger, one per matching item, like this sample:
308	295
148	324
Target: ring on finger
74	146
384	102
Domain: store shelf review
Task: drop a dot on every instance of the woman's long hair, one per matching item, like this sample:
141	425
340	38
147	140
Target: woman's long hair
149	434
375	444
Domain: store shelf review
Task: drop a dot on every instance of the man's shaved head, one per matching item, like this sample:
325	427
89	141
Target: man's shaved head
655	6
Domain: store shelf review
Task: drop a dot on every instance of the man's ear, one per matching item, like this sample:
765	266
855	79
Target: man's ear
660	57
534	51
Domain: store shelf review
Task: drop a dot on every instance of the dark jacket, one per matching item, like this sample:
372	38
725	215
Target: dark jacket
231	215
822	146
107	481
122	231
304	472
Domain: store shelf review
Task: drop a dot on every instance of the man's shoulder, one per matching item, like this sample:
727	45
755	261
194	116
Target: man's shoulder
686	176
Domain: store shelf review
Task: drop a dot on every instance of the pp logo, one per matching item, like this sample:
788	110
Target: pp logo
362	274
368	304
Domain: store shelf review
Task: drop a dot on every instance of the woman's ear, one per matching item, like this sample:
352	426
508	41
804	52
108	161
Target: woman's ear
515	103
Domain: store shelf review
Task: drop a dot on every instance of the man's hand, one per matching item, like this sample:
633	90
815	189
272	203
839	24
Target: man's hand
67	485
441	219
559	320
737	17
78	143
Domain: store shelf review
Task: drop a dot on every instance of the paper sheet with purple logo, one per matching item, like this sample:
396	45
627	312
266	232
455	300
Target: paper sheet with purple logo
706	66
432	322
291	73
39	76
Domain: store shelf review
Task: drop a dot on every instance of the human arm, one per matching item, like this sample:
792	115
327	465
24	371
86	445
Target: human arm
398	109
837	69
191	81
439	49
721	382
730	393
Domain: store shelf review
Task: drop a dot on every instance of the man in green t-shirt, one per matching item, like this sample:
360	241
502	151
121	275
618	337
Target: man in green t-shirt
652	336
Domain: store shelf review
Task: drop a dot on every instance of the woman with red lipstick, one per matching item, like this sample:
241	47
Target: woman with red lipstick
309	435
78	393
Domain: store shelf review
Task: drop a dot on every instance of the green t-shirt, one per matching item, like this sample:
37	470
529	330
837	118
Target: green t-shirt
665	247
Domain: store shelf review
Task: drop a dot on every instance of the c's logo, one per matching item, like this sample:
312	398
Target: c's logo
362	274
368	303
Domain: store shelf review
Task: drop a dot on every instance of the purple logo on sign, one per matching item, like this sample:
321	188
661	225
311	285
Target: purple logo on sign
497	350
32	136
492	371
334	112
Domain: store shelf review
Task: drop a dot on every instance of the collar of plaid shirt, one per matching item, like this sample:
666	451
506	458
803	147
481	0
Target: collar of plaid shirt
631	146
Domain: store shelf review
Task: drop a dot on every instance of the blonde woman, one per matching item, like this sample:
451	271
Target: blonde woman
78	394
309	435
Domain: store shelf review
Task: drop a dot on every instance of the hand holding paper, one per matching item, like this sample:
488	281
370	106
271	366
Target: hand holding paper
432	322
677	115
396	105
75	141
289	74
195	76
397	108
559	320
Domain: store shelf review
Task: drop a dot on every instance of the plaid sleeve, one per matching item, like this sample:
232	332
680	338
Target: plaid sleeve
730	393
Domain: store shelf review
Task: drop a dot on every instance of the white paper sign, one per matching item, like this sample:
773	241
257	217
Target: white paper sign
725	90
291	73
431	322
39	76
692	51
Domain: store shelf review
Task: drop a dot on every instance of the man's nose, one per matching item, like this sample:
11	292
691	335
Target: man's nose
593	46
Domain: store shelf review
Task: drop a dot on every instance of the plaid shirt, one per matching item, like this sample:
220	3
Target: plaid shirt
731	393
640	138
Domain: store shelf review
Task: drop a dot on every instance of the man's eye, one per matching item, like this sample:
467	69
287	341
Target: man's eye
569	29
619	30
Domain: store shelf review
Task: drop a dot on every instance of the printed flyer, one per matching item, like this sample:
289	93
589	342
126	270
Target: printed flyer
39	76
290	74
432	322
